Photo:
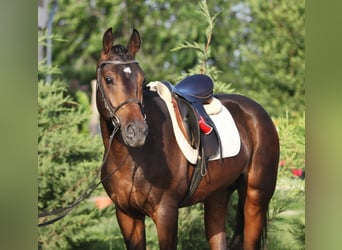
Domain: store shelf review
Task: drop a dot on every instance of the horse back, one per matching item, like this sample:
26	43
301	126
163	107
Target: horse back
250	112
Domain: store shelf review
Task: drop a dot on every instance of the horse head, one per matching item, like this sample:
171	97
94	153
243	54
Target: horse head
119	89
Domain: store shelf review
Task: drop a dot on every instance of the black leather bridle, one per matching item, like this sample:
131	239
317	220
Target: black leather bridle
113	110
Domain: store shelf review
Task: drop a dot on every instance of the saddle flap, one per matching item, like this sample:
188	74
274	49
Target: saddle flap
163	89
190	121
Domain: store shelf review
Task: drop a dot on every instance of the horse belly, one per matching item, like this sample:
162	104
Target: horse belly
218	176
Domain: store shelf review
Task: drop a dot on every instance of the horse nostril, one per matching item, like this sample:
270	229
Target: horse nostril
130	130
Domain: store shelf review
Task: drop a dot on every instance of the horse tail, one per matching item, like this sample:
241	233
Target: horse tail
264	231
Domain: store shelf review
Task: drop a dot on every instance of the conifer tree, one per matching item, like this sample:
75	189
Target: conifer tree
68	160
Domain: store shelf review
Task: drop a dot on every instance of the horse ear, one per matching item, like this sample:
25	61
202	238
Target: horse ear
107	41
134	42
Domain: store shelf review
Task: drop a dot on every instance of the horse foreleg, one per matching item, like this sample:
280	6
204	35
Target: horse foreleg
133	230
166	220
215	208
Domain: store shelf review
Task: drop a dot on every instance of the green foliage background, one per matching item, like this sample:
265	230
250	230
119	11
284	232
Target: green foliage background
256	49
258	46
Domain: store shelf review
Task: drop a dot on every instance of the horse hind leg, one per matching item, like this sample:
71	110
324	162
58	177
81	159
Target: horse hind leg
255	218
215	209
259	190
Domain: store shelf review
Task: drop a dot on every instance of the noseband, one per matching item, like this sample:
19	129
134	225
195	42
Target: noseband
113	110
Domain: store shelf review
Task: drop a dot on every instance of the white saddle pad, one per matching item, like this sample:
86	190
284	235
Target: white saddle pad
228	132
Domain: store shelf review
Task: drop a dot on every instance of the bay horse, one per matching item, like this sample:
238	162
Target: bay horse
146	174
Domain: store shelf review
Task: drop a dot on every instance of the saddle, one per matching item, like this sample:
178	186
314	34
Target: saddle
191	94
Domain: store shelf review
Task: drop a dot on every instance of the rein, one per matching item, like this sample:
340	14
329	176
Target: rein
91	188
116	123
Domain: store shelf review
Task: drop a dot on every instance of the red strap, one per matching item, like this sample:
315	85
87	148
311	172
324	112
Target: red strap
204	127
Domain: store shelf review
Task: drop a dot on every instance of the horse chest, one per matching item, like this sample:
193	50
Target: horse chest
132	196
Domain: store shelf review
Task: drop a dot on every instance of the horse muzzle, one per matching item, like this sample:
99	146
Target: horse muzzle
134	134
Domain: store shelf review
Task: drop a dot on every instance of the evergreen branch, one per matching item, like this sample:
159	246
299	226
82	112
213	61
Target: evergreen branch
204	11
187	45
42	37
44	69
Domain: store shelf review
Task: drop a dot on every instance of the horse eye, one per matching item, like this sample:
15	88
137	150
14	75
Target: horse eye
109	80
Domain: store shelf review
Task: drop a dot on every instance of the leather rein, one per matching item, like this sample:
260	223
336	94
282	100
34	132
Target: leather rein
62	212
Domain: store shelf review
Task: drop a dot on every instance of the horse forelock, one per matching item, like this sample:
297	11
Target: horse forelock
122	52
117	53
119	49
